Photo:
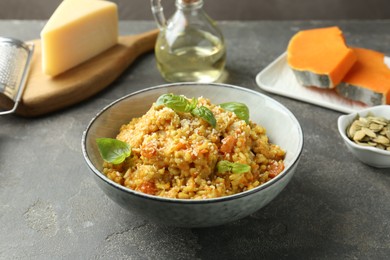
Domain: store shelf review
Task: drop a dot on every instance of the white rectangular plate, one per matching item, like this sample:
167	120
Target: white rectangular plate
279	79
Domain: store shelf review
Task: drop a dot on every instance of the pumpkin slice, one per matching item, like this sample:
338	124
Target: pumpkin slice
368	81
319	57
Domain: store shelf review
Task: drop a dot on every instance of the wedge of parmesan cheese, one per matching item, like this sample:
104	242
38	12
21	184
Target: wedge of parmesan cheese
368	81
77	31
319	57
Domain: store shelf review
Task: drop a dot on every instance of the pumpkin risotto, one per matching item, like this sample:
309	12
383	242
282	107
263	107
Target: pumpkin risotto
180	155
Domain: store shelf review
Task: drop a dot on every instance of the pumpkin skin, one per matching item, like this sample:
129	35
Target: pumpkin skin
368	81
320	57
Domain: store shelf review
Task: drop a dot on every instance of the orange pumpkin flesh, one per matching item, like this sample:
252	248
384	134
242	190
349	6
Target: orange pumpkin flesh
368	80
319	57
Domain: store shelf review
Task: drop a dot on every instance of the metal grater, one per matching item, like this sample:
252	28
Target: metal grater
15	58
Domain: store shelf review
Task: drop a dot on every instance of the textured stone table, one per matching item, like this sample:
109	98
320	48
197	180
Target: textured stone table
50	207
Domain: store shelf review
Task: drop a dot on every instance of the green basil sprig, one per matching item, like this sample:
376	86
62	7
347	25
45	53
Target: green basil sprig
226	166
112	150
181	104
240	109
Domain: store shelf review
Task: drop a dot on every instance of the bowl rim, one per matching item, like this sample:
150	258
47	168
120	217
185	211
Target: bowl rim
342	129
122	188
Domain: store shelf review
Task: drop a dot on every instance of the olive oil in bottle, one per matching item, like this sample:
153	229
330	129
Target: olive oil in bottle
190	47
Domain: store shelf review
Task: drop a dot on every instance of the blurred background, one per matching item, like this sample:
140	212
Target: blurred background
222	9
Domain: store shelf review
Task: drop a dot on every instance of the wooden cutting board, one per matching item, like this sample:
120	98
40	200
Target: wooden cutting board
44	94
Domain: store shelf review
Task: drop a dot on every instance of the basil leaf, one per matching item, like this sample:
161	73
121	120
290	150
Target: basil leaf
177	103
226	166
112	150
240	168
206	114
240	109
193	104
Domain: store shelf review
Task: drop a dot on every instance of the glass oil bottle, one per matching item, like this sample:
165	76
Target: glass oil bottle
190	46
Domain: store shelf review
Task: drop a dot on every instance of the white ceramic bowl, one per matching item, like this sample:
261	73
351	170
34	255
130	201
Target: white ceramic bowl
368	155
281	125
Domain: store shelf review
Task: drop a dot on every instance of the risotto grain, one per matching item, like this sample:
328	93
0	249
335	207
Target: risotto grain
175	154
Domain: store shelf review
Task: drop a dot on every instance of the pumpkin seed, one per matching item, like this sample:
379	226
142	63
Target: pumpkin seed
359	135
381	140
380	120
370	131
387	133
381	147
376	127
352	129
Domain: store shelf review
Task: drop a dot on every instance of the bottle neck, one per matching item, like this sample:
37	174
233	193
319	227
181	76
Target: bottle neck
189	4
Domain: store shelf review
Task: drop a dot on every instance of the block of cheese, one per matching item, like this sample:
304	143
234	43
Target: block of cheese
368	81
77	31
319	57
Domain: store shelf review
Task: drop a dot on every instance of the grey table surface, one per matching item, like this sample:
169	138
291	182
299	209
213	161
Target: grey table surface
335	207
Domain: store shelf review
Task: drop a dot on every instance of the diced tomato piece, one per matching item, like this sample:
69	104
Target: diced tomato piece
275	168
148	187
148	150
228	144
